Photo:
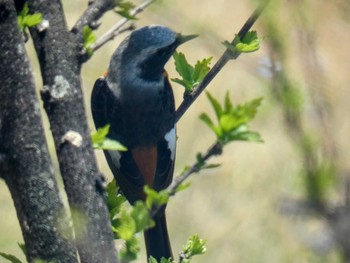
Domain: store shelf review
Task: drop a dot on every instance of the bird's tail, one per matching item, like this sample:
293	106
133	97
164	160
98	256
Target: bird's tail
157	240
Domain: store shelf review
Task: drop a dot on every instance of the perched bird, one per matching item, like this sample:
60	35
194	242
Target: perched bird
136	99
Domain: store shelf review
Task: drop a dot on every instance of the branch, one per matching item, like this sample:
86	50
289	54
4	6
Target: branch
214	150
24	158
117	28
101	41
57	50
227	55
95	10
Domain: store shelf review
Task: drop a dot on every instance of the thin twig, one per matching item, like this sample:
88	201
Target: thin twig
115	30
214	150
95	11
100	42
227	55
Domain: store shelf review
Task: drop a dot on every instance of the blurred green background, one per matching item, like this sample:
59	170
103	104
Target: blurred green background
237	207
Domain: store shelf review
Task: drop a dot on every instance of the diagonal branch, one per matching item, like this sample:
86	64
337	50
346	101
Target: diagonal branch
227	55
117	28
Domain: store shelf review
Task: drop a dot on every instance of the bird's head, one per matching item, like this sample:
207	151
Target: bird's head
147	50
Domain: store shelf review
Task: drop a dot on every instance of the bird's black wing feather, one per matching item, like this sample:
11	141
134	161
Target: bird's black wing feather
104	106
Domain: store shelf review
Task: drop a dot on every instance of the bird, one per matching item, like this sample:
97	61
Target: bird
134	96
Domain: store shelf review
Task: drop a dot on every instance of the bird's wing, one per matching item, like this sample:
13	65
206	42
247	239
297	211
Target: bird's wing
105	111
165	160
132	169
153	165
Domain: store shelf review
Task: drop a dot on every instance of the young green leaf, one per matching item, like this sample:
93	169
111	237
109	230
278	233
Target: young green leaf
191	76
124	9
232	121
249	43
164	260
127	228
183	186
200	70
89	39
114	199
141	216
194	246
216	105
206	119
25	20
155	198
130	250
100	140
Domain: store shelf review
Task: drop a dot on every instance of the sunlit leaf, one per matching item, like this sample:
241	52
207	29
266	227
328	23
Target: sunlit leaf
25	19
124	9
100	140
216	105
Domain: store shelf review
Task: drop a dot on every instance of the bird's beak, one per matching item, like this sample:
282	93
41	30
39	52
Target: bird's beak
180	39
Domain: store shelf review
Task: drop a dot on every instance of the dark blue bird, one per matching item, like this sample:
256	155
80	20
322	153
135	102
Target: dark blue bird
136	99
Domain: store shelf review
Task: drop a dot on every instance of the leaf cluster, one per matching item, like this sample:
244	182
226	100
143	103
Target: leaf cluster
24	19
126	223
191	75
124	9
89	39
232	120
101	141
249	43
194	246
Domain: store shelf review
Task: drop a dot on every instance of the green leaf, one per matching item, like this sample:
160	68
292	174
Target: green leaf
130	250
183	186
155	198
194	246
232	121
110	145
201	69
152	260
164	260
216	105
184	69
100	135
250	108
124	9
228	104
141	216
89	39
211	166
127	228
10	258
228	122
25	20
114	199
216	129
100	140
249	43
191	76
249	136
183	83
